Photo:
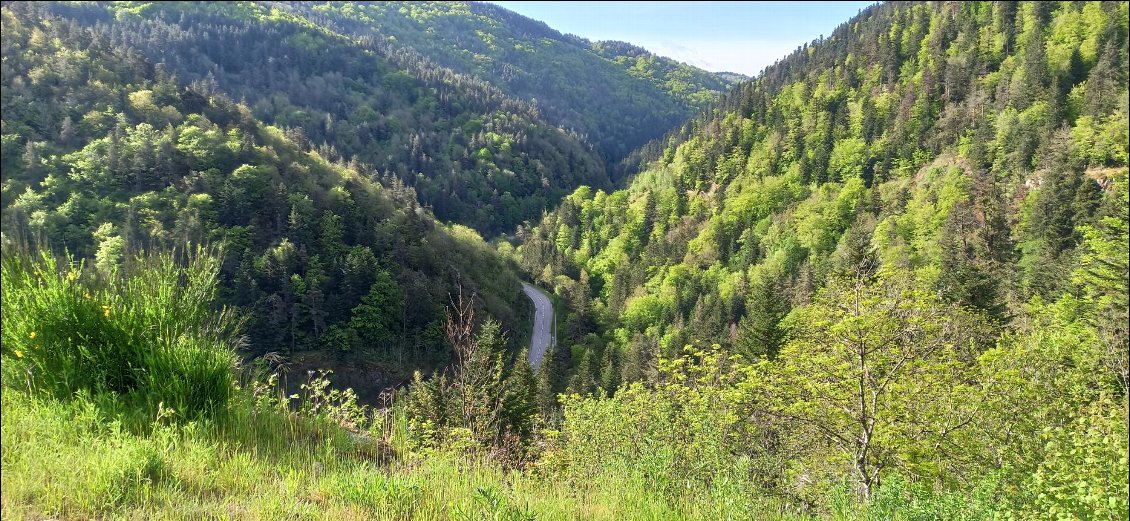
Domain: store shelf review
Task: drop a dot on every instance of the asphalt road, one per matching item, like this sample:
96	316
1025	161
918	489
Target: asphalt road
543	323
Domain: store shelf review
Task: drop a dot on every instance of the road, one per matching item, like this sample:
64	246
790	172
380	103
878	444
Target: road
543	323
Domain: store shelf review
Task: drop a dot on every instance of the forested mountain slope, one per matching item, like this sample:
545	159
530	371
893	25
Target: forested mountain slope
105	154
900	253
473	154
967	143
887	279
618	95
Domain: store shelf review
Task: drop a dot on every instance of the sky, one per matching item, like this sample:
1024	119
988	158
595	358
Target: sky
742	37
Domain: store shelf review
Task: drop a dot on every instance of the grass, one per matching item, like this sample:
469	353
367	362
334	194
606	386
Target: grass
65	459
122	400
145	335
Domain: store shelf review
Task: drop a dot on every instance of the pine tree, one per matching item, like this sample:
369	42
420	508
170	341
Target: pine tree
760	334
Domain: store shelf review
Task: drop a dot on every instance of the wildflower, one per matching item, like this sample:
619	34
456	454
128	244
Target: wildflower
71	276
32	335
105	311
19	354
86	296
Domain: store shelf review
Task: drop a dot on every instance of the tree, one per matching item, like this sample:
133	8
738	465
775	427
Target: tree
1102	274
639	365
476	393
67	132
759	332
111	247
879	371
377	317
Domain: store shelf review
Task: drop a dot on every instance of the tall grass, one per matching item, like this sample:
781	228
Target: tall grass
144	335
87	356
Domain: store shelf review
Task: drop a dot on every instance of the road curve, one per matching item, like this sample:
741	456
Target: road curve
543	323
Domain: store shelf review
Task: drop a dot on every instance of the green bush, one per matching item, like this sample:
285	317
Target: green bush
1084	469
145	334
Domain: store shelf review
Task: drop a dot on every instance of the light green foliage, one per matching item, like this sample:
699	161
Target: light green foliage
139	334
129	173
933	197
480	403
110	248
878	372
1083	473
689	437
1102	276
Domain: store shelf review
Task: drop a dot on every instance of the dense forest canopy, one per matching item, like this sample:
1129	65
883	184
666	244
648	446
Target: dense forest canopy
968	144
618	95
905	212
471	153
885	279
481	145
106	154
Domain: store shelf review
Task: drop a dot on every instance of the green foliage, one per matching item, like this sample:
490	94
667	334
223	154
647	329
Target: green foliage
145	334
1102	276
618	95
890	144
934	199
480	402
306	234
879	372
1083	474
449	139
379	312
949	159
689	436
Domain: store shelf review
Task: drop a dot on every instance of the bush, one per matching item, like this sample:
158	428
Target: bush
145	334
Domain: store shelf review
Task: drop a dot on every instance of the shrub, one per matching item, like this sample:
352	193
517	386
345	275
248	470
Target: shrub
145	334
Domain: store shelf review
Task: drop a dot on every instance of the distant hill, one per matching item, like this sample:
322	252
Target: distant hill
617	95
106	152
967	142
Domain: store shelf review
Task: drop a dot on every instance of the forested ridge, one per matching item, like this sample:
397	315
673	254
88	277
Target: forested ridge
966	144
470	139
914	211
471	153
617	95
106	154
885	279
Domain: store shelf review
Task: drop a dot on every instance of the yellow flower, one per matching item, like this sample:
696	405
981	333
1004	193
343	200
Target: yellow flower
105	311
32	335
86	296
19	354
71	276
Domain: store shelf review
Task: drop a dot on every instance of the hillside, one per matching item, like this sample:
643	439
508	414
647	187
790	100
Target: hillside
471	153
466	126
968	158
106	154
617	95
942	139
885	279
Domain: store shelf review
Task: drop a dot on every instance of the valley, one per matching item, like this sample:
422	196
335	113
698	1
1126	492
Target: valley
439	260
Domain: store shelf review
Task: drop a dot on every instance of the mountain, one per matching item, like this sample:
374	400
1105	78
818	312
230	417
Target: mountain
106	153
617	95
487	136
895	259
885	279
472	154
159	154
968	143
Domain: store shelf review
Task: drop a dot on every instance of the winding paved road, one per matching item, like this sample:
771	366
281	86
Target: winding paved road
543	323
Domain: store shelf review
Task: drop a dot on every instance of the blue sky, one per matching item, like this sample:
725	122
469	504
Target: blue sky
742	37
